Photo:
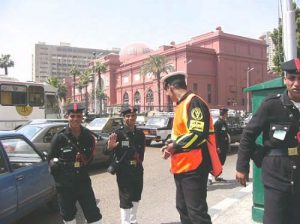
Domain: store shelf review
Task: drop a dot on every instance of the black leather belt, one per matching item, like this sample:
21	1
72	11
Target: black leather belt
293	151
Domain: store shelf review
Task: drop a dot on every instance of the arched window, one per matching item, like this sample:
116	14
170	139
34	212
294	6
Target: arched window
149	100
137	98
125	98
137	101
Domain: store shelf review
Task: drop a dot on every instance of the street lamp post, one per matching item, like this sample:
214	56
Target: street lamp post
248	84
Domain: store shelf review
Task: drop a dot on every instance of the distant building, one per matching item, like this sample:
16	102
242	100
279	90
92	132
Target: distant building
54	60
217	64
270	50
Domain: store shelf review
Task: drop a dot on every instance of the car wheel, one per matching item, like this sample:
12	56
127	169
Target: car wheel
148	142
168	140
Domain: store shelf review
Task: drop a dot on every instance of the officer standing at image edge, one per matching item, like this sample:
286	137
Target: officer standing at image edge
278	121
71	151
128	143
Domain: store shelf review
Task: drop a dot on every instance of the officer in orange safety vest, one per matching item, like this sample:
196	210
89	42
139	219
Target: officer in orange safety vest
192	150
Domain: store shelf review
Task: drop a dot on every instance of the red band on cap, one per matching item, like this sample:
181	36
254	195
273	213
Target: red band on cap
297	63
75	106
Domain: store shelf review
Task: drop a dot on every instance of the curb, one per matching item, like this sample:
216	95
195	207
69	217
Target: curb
216	210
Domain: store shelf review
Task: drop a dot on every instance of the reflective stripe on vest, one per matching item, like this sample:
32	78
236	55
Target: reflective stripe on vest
190	160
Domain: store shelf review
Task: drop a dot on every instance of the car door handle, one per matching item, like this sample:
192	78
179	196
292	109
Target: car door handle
20	177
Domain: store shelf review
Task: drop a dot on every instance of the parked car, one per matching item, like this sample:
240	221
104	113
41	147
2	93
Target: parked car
41	135
141	120
247	119
105	125
158	128
42	121
25	181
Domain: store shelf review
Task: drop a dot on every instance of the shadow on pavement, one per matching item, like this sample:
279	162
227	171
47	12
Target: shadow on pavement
95	169
170	223
229	184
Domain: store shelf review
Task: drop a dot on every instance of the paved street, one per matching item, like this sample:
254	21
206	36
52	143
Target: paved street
158	201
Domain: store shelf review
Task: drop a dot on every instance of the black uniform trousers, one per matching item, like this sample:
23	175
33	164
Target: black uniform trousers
83	193
223	154
191	192
130	185
281	207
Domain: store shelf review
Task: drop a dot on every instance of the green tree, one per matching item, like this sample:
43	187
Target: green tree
74	72
61	88
276	37
84	79
80	86
157	64
6	62
100	68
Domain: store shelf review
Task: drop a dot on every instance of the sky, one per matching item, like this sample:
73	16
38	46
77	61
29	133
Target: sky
107	24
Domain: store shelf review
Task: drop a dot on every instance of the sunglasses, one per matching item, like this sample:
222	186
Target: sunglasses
75	115
130	115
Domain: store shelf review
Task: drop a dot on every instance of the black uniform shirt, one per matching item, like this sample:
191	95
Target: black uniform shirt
66	152
221	130
133	143
277	113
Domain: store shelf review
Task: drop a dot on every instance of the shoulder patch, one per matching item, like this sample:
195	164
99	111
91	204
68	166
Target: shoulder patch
196	113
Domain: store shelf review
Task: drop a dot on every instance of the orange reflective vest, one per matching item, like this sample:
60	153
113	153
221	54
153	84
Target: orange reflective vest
190	160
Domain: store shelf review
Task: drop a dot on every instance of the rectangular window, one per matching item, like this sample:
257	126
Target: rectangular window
209	88
195	87
209	97
36	96
13	95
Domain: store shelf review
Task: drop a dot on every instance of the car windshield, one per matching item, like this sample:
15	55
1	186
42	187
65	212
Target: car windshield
157	121
29	131
97	123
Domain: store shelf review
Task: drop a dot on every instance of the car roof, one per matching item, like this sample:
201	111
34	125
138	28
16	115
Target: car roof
52	124
4	134
38	121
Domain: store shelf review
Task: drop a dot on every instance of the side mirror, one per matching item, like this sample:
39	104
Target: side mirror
45	154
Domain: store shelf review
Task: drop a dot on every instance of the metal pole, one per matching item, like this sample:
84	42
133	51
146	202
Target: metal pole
248	84
289	30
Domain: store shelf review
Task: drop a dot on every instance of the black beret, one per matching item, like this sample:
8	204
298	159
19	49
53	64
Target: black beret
128	110
174	77
74	107
292	66
223	111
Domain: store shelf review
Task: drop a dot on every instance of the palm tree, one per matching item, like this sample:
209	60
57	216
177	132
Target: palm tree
100	68
61	89
6	62
80	86
157	64
74	72
84	79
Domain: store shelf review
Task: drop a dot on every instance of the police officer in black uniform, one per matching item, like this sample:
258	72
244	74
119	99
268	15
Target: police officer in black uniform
278	121
222	138
71	151
128	146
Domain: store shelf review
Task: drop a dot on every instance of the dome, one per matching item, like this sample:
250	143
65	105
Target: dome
133	50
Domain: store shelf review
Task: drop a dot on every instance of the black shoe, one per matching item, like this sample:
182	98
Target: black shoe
220	179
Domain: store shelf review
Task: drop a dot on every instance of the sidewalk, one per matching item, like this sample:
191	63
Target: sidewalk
235	209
